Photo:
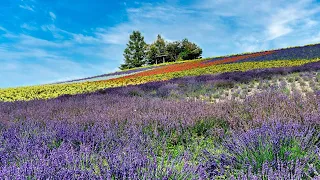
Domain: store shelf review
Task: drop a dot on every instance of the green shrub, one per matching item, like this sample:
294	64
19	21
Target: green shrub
224	84
291	79
302	83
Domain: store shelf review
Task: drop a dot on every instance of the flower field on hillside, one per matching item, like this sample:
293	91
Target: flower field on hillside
269	135
195	120
293	53
230	85
311	51
52	91
108	76
193	65
304	52
127	72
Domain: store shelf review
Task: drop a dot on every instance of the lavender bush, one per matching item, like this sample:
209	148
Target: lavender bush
283	148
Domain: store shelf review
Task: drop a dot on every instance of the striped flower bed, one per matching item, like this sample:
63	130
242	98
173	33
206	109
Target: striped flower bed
193	65
294	53
108	76
52	91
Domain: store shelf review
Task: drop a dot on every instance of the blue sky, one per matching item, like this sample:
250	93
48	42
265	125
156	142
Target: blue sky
44	41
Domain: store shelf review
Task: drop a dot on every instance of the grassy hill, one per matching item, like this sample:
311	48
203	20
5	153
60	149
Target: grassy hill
246	116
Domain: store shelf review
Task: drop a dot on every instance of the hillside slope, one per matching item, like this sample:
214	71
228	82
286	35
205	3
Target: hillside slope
237	117
267	59
301	52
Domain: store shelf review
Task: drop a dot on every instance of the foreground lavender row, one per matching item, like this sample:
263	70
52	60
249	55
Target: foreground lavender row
120	137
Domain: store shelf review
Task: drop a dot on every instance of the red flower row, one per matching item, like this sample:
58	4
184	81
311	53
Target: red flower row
192	65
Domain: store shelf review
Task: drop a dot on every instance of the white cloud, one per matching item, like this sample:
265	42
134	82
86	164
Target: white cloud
56	32
9	66
310	23
316	38
116	35
78	38
283	20
52	15
45	67
50	27
279	25
274	18
3	29
173	23
166	20
83	39
219	26
276	30
28	27
275	23
46	61
161	12
26	7
30	41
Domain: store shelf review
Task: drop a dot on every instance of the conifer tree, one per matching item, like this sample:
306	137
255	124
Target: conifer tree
135	53
161	45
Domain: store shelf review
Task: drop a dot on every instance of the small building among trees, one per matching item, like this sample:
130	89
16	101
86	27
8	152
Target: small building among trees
161	58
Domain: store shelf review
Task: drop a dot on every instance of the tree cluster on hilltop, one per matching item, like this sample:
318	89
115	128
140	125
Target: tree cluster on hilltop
139	53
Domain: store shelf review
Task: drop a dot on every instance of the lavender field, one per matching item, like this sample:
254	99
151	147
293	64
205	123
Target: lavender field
165	130
159	90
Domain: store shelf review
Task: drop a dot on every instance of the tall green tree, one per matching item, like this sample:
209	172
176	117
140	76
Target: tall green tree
173	50
189	50
161	45
152	54
135	53
156	49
